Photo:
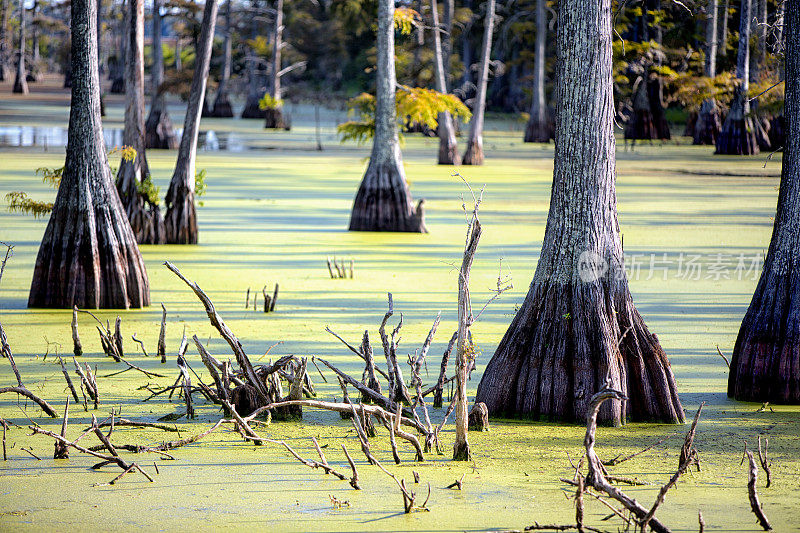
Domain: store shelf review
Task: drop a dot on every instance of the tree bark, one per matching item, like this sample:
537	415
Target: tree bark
117	69
274	117
158	130
738	133
759	26
33	67
180	222
222	104
473	155
723	34
708	122
538	129
88	256
255	88
765	366
383	201
448	147
4	48
578	324
144	217
20	81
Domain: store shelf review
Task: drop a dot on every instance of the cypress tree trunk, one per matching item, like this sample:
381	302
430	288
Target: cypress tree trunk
117	69
33	68
538	129
738	133
708	123
578	323
4	39
723	34
473	155
88	256
158	130
144	216
20	80
180	222
222	104
383	201
448	147
255	89
274	116
765	366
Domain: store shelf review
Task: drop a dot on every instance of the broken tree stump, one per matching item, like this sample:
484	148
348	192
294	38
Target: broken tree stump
479	417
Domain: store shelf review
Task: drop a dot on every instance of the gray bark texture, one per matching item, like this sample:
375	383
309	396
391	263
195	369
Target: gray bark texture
765	366
4	48
738	132
255	88
273	118
473	154
448	146
21	80
158	130
144	217
180	221
222	104
88	256
578	324
383	201
538	129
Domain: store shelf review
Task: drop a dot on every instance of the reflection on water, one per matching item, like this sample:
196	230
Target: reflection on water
53	136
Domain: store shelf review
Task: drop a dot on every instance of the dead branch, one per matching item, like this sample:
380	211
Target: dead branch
226	333
358	352
755	505
61	451
140	343
162	336
69	381
617	460
688	457
765	462
595	477
354	478
22	391
77	349
727	363
439	387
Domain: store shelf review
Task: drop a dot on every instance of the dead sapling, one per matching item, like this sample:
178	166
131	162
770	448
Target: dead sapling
457	484
764	460
752	491
343	270
162	334
77	348
269	301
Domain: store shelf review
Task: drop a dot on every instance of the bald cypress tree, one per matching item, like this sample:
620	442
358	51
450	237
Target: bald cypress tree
143	212
159	132
578	324
88	256
383	201
180	221
765	366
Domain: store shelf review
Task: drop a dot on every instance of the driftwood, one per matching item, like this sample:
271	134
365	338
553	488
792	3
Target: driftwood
186	378
140	343
362	354
5	350
752	491
216	321
596	477
77	348
22	391
162	335
397	387
69	383
409	496
118	336
765	462
61	450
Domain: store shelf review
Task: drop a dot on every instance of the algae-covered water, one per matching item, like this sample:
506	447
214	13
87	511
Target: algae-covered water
693	224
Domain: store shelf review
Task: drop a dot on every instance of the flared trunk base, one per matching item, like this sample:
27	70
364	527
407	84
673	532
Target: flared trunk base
273	118
708	125
383	204
473	155
564	342
180	221
737	138
461	452
537	131
20	85
252	110
765	366
117	86
448	153
158	131
222	108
